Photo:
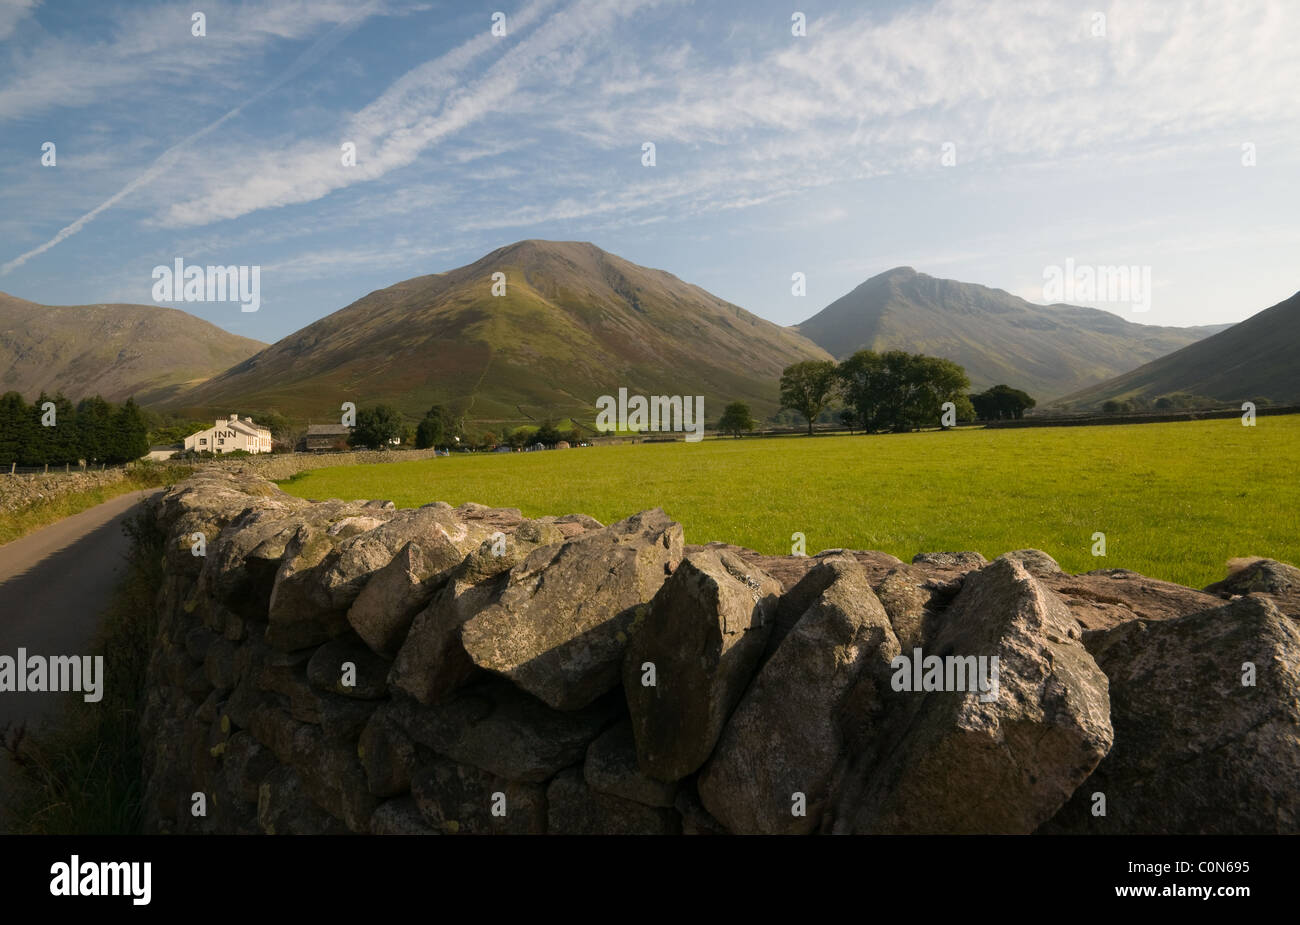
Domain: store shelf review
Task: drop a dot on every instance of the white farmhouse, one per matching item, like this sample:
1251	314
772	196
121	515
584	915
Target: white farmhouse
234	433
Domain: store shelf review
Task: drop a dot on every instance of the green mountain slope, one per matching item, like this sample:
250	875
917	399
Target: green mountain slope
149	351
1047	350
1256	358
575	323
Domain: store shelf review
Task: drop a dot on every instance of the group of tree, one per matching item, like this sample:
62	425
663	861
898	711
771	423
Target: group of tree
892	391
377	427
1174	401
548	434
52	431
1001	403
442	428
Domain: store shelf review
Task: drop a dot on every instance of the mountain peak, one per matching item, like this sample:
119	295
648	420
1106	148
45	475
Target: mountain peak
996	336
559	259
572	323
541	247
114	349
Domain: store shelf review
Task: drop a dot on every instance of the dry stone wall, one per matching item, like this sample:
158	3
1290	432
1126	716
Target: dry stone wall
335	667
278	466
23	490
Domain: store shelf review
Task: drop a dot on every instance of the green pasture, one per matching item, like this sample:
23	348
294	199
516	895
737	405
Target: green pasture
1174	500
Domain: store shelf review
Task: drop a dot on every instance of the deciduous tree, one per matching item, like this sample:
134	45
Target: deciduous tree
807	387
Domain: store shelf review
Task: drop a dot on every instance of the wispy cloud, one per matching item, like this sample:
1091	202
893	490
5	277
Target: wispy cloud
428	105
465	138
169	157
12	12
149	50
860	96
397	253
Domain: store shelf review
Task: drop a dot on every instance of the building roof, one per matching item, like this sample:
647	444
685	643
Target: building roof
327	430
247	426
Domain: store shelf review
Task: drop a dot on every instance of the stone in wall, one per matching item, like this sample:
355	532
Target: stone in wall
457	799
1000	761
383	611
431	662
784	741
1266	578
611	767
1206	720
560	625
574	808
692	656
496	727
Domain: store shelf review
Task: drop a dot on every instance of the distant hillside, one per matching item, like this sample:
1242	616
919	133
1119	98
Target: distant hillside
575	323
1047	350
149	351
1256	358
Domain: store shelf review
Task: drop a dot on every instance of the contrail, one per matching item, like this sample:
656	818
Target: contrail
168	157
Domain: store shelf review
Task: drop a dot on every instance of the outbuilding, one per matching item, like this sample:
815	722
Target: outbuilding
326	437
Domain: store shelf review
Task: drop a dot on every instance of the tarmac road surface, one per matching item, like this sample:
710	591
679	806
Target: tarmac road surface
54	584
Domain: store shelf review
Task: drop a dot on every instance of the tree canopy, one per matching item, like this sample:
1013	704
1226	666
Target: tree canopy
376	426
93	430
1001	402
548	434
736	418
900	391
433	429
808	387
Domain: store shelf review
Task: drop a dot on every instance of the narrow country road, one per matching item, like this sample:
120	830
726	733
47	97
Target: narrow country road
54	584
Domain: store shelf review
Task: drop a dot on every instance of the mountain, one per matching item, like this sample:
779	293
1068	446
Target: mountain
1047	350
1254	359
575	323
149	351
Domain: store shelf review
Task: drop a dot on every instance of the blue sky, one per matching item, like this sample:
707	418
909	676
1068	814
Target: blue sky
775	153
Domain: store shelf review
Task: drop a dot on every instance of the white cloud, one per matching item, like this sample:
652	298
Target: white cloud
311	265
12	12
150	50
1007	82
428	105
545	126
168	158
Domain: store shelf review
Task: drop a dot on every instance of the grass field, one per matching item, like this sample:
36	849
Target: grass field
1175	501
